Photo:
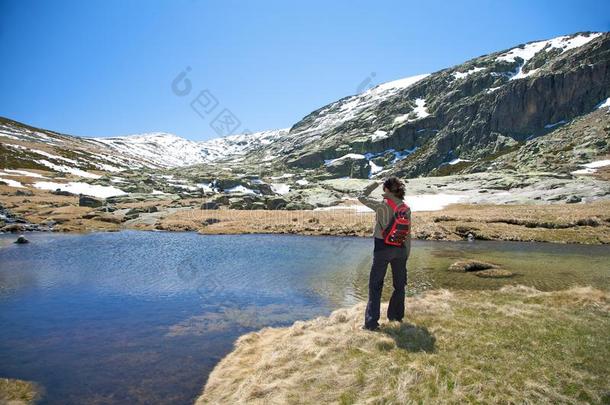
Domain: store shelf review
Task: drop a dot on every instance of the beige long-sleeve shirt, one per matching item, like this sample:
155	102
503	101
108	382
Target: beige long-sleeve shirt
383	214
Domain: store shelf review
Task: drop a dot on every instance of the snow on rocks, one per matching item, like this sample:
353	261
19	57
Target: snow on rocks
240	189
419	110
352	107
68	169
11	172
590	168
375	169
354	156
379	135
457	160
462	75
280	188
80	188
604	104
528	51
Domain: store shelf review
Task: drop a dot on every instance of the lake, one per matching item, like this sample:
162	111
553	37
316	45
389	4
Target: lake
143	317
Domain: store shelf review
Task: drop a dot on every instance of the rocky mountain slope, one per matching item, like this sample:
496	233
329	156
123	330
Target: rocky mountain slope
477	110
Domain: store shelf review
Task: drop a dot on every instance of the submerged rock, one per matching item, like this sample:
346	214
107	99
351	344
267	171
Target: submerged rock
494	273
471	265
21	240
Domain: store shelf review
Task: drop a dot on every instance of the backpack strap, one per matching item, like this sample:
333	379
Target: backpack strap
395	206
392	204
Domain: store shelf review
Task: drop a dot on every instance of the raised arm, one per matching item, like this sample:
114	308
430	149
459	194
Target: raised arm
368	201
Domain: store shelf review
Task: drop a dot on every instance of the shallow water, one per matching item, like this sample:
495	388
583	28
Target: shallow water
143	317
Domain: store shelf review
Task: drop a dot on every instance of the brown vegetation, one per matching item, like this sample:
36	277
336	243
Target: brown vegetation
514	345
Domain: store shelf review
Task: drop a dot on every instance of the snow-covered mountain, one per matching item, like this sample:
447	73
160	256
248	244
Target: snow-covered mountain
460	118
167	150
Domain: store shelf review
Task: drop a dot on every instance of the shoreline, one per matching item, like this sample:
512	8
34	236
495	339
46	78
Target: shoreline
583	223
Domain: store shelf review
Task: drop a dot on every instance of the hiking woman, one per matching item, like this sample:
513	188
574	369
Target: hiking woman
392	247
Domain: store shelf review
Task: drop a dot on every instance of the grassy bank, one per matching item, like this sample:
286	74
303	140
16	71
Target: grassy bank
18	392
515	345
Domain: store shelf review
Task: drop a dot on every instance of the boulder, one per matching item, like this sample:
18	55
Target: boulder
210	221
349	167
59	191
88	201
26	192
276	203
210	205
299	206
14	228
573	199
21	240
471	265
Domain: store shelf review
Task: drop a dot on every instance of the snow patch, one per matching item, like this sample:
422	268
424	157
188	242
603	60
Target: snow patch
604	104
461	75
419	110
354	156
81	188
374	168
280	188
590	168
378	135
431	202
12	183
240	189
11	172
68	169
458	160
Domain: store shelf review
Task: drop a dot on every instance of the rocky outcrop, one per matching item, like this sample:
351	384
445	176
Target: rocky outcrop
88	201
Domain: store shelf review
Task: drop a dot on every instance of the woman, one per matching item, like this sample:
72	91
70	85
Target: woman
384	253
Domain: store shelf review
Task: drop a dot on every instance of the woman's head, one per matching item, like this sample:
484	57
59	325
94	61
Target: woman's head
395	186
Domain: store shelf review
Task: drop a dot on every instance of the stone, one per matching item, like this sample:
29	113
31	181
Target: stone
210	205
13	228
22	240
573	199
276	203
88	201
28	193
471	265
59	191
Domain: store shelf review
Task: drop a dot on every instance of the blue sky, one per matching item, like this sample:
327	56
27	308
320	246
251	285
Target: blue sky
104	68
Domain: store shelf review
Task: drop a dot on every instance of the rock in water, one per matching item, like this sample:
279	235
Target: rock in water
21	240
88	201
471	265
494	273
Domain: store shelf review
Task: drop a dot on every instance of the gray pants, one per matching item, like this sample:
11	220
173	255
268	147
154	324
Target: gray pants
383	255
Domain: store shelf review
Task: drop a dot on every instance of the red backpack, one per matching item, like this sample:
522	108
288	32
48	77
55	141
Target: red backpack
399	227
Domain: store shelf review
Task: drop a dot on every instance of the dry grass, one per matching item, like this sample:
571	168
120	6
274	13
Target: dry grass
515	345
562	223
18	392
